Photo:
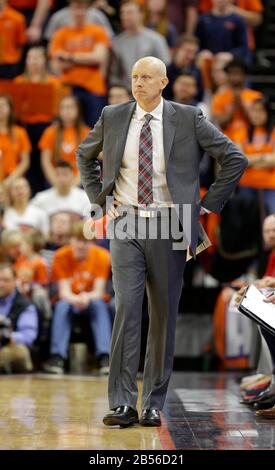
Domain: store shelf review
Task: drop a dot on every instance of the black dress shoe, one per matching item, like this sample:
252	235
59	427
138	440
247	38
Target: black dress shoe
267	394
265	404
150	418
123	416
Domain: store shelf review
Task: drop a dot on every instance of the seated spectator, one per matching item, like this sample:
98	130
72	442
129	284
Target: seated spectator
81	270
11	241
18	325
264	397
33	273
230	106
82	53
258	143
23	251
13	38
63	18
59	235
228	27
233	334
63	196
36	72
21	214
60	230
60	141
185	91
15	146
184	61
30	259
118	94
133	43
156	18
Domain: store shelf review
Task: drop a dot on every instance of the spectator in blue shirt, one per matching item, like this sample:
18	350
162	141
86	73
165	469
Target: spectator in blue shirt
223	31
18	324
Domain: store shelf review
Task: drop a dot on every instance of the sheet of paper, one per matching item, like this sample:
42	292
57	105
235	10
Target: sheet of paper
254	302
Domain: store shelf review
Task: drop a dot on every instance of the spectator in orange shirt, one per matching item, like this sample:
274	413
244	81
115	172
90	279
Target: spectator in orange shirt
82	53
36	71
60	141
31	270
258	143
12	40
15	146
36	13
30	258
81	270
230	106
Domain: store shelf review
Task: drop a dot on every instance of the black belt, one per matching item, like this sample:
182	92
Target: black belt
147	213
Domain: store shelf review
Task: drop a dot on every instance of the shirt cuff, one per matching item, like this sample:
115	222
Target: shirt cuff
205	210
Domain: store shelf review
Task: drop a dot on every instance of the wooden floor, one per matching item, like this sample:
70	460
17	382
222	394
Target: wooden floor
202	412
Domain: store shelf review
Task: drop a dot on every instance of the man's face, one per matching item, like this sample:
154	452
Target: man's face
185	88
64	178
61	224
68	110
7	282
147	82
186	53
118	95
78	12
269	232
236	77
220	3
13	248
130	16
20	189
36	60
80	248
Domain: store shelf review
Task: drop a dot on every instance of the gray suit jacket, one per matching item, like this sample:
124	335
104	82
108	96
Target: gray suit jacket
186	136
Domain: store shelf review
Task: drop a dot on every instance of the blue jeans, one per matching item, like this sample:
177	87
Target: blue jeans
62	324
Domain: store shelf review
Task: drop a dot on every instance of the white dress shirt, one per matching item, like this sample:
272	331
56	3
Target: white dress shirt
126	184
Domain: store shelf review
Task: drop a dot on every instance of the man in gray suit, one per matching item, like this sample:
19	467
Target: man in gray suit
152	149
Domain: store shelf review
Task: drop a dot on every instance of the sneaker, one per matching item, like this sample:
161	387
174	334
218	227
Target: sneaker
54	365
103	364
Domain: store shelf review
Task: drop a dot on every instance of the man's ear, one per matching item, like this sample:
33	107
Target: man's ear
164	82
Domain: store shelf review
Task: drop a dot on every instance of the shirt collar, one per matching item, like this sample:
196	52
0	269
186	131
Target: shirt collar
156	113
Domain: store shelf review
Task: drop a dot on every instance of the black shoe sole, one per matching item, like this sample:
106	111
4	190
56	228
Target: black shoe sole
114	421
148	422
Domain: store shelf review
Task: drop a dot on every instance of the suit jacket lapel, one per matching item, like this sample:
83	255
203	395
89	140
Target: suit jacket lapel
169	128
123	119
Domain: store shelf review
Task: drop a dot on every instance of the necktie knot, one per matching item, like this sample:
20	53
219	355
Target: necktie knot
148	118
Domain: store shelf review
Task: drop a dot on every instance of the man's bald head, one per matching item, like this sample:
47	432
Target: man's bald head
269	231
153	62
148	81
